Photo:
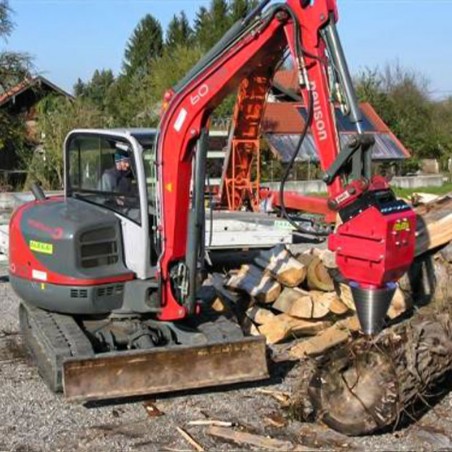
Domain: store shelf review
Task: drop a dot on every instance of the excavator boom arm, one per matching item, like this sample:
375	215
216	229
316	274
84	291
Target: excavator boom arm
246	49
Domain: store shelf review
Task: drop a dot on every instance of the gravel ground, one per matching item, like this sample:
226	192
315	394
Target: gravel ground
34	419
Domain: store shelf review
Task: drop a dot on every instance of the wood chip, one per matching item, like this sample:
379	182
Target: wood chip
190	439
211	422
152	410
282	397
276	420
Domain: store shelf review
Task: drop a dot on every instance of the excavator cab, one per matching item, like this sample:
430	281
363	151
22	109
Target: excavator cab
114	170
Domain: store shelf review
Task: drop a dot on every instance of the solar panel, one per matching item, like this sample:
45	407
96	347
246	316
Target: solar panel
343	121
385	147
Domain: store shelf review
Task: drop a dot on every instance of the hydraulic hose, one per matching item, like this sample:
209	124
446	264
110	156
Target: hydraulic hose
310	112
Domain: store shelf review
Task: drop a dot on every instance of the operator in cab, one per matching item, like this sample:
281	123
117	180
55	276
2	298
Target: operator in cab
119	178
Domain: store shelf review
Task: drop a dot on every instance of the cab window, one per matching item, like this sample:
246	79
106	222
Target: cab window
101	170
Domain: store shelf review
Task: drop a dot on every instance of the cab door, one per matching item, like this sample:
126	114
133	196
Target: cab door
105	168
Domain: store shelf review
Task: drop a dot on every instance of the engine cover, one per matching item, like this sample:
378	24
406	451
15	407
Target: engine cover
63	253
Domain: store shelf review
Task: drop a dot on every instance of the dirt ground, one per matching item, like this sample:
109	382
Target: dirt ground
34	419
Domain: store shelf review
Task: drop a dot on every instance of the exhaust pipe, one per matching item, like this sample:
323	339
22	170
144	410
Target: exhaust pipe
38	192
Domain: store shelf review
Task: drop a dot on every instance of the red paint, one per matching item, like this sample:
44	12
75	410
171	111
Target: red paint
189	109
296	201
371	249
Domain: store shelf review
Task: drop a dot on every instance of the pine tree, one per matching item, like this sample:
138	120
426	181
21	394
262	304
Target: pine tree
179	32
145	44
219	11
79	88
238	9
202	27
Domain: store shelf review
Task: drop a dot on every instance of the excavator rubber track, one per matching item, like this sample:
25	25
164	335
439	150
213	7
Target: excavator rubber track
51	338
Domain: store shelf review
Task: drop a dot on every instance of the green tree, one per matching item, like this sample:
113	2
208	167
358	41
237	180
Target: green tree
202	27
97	88
14	67
131	102
179	32
57	116
171	68
239	9
145	44
400	96
79	87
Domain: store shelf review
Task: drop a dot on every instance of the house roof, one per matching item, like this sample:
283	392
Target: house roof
28	83
287	78
283	122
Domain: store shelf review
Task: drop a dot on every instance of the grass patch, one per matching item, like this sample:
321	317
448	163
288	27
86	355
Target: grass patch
407	192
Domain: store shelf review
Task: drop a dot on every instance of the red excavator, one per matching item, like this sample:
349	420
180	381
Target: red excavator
109	273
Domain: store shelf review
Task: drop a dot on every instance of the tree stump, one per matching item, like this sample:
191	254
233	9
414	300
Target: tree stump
367	384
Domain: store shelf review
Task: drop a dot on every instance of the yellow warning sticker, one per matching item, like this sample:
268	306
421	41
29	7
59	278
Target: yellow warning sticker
401	226
41	247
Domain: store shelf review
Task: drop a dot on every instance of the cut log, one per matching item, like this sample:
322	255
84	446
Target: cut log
260	315
344	293
220	306
336	305
332	336
434	225
328	258
283	327
318	276
299	303
399	304
282	266
255	283
305	258
275	331
300	327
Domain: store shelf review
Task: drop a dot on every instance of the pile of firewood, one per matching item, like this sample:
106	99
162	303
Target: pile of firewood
302	295
291	295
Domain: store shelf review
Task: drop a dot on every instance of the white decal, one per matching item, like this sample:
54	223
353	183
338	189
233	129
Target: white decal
180	120
202	91
318	114
36	274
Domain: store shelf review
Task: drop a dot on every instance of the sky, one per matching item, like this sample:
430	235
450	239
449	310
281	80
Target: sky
69	39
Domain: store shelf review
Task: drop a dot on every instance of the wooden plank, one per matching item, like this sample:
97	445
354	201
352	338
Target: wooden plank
244	438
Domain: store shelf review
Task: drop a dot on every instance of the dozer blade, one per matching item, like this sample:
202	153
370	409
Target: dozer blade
165	369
